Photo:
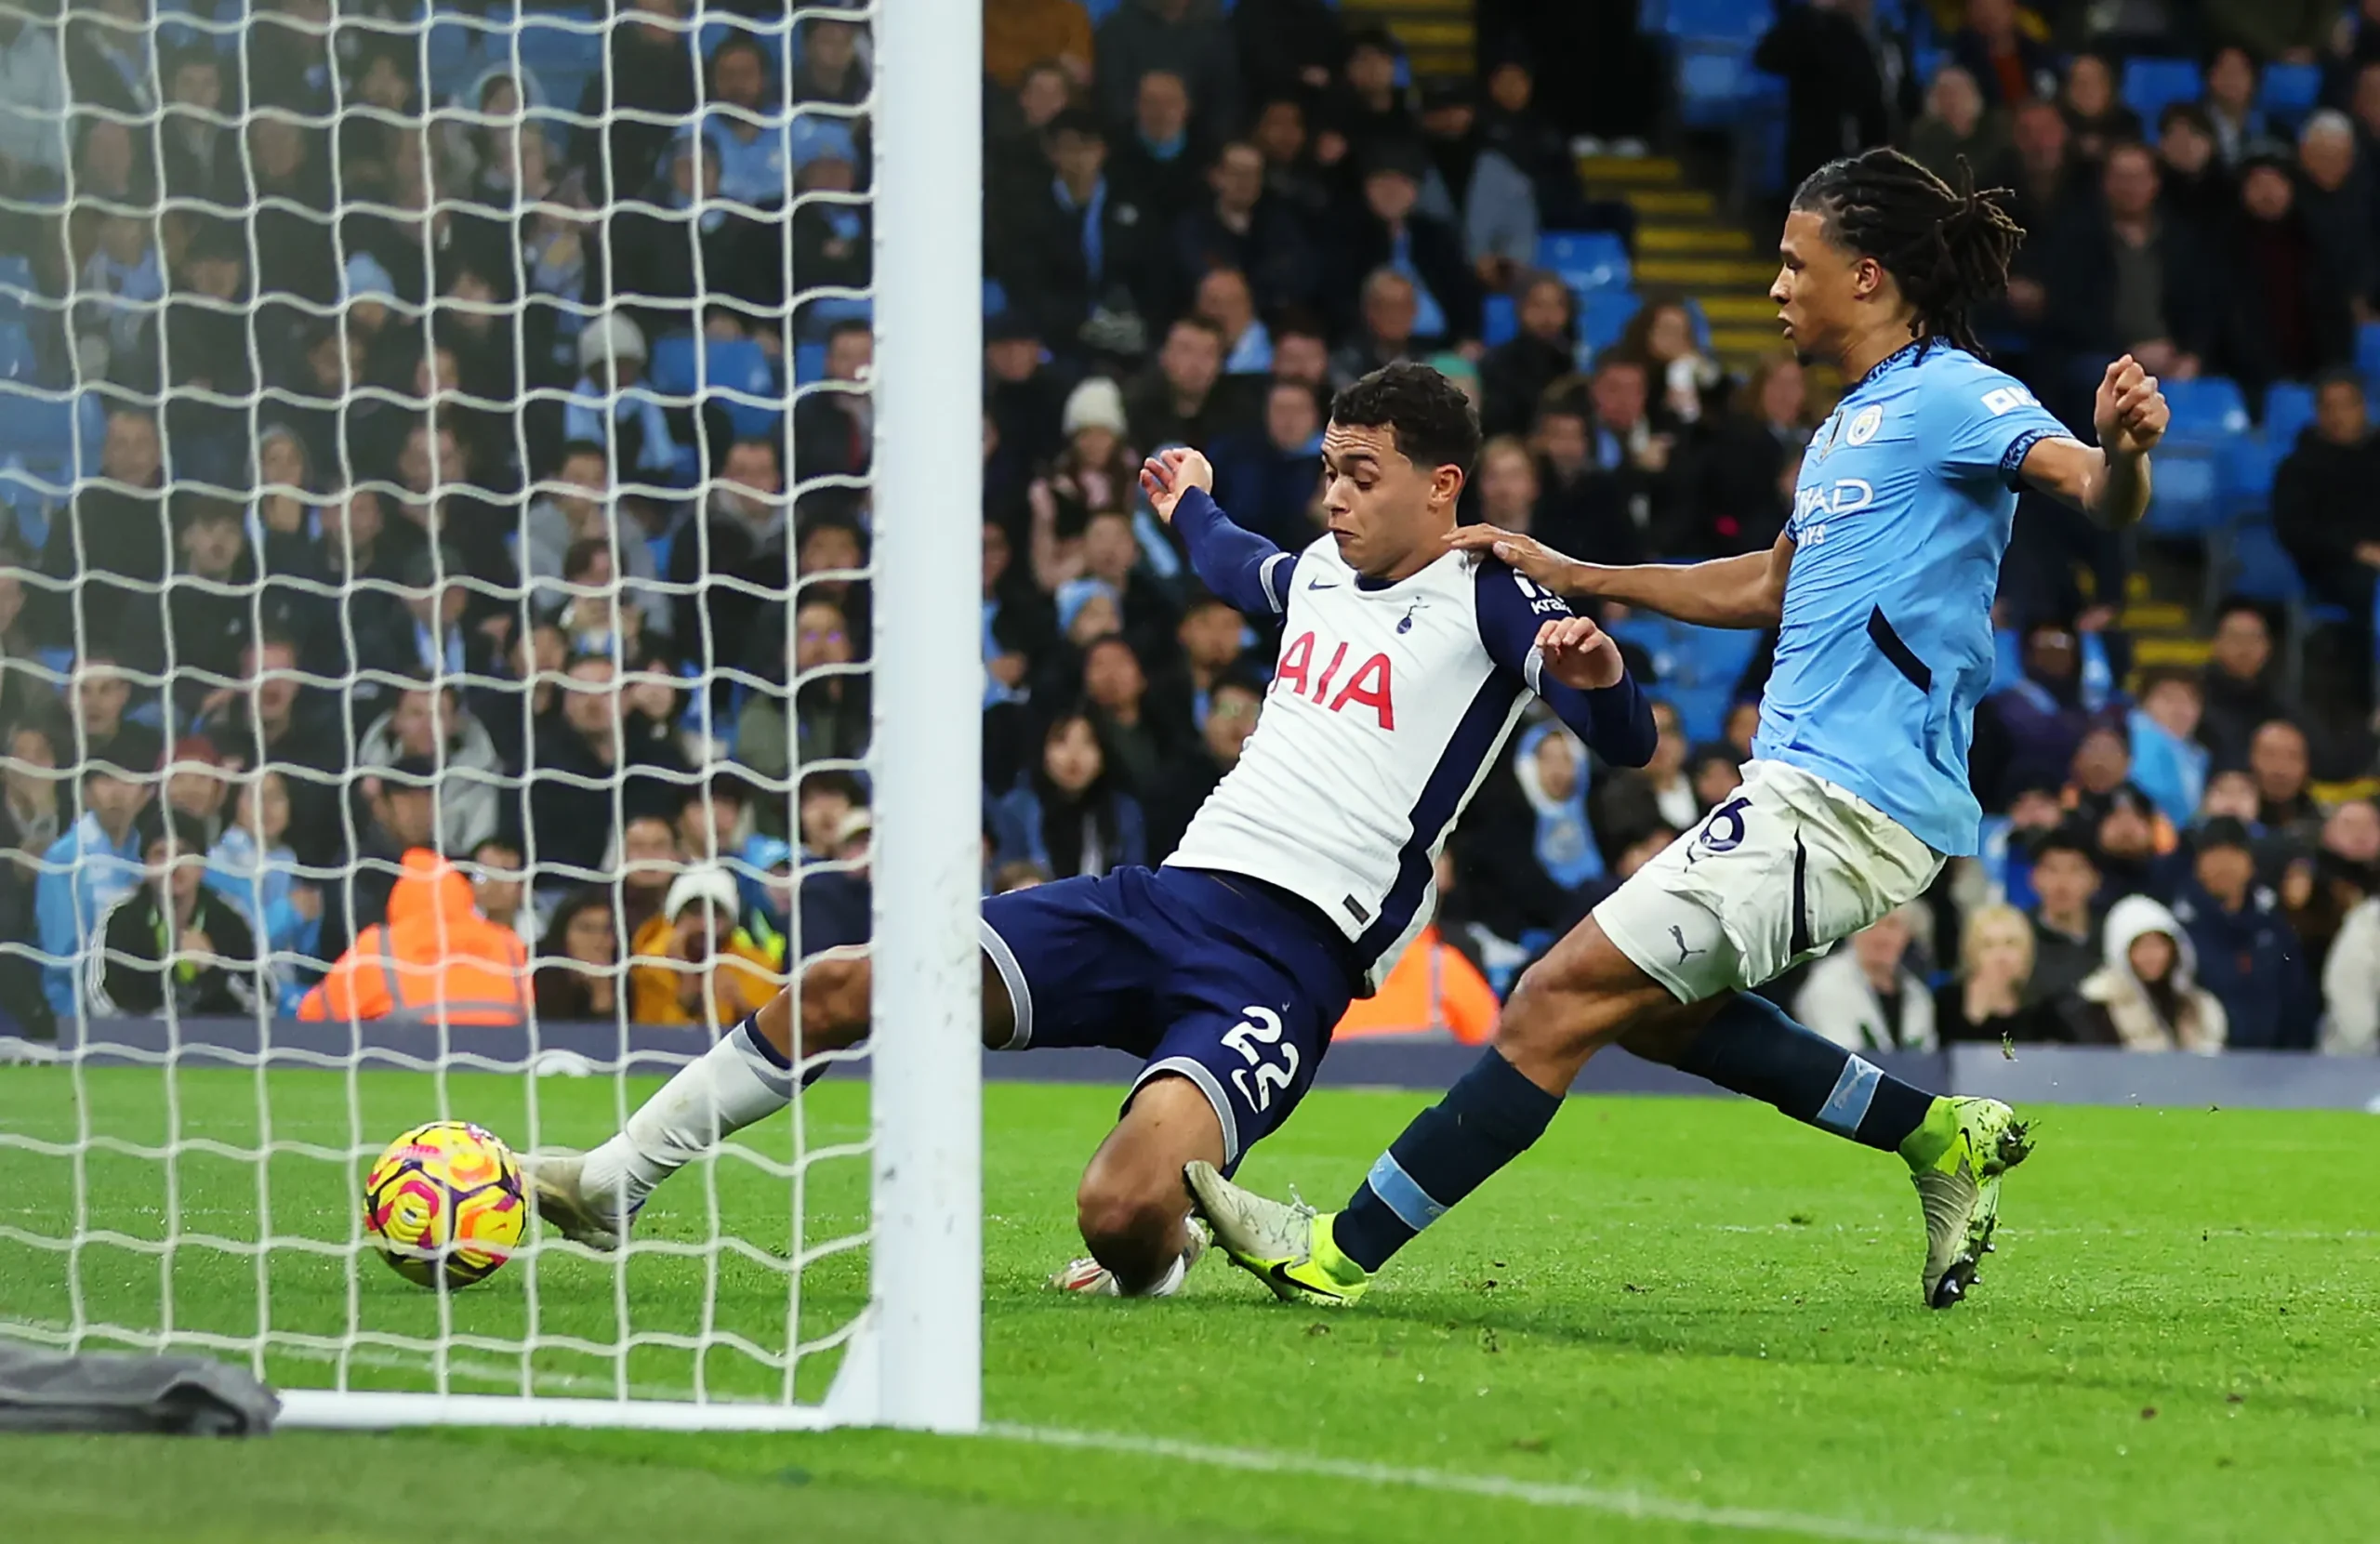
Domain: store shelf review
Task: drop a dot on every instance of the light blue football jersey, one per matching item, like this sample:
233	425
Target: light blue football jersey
1899	521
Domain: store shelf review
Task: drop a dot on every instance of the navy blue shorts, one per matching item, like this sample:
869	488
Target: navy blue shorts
1211	977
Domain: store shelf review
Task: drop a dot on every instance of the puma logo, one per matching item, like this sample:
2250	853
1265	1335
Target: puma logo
1684	950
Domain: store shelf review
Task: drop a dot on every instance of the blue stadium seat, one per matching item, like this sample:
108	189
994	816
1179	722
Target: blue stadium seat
1928	63
2367	351
671	369
2290	93
1499	320
1714	81
2188	495
2289	407
1586	260
1602	316
808	363
994	297
2261	567
2151	85
1719	21
2208	408
1695	670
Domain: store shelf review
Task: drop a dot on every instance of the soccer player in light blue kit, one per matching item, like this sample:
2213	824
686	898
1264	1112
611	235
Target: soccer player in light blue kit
1880	589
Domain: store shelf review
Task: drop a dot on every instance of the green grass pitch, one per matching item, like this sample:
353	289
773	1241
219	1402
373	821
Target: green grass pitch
1674	1320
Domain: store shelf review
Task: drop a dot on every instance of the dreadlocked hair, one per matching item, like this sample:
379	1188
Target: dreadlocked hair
1947	248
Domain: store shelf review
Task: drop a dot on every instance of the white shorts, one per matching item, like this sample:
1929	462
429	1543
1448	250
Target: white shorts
1789	865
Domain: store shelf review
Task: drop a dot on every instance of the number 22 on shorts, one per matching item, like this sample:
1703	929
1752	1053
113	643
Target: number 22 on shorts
1261	1025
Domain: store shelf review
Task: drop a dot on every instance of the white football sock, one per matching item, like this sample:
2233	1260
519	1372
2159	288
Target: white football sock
730	1086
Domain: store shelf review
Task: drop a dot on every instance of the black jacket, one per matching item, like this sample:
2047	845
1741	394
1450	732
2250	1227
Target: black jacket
2326	502
1513	375
1834	93
1365	243
134	979
2077	269
1037	254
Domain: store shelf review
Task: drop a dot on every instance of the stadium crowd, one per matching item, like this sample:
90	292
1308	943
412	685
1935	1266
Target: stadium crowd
451	573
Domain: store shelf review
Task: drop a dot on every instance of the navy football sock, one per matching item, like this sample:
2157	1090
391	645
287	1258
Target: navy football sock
1489	1118
1752	1047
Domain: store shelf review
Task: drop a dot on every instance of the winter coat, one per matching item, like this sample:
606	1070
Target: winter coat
2112	1007
1837	1002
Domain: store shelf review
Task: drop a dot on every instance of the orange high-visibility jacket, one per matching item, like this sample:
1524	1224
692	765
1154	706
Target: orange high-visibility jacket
435	957
1431	990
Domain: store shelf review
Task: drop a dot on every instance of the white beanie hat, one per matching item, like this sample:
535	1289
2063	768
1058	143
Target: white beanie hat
704	882
609	336
1096	403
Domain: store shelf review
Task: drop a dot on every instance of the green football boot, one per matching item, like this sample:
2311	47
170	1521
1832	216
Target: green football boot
1956	1160
1286	1245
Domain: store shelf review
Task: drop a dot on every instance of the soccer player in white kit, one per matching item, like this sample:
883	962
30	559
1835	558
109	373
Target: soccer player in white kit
1880	589
1405	665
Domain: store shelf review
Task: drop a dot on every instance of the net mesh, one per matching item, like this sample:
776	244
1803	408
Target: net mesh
434	456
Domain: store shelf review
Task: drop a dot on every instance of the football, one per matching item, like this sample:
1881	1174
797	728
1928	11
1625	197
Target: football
444	1204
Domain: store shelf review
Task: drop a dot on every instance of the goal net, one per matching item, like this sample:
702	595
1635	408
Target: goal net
455	465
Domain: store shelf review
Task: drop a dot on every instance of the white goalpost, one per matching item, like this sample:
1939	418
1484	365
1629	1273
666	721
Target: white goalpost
184	1178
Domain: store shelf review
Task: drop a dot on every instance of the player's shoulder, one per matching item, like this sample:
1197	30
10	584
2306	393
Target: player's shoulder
1957	385
1497	586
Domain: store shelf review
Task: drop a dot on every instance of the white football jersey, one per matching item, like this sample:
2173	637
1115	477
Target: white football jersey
1389	706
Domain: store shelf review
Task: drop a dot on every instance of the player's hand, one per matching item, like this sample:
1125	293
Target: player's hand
2130	413
195	942
1168	474
1579	653
1532	559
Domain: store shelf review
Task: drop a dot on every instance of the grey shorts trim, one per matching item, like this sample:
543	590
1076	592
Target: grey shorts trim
1198	1074
1020	993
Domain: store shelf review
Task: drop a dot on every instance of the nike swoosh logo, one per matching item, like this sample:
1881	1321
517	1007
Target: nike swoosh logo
1317	584
1279	1273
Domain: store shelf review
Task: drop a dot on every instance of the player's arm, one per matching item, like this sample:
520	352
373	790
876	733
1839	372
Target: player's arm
2110	483
1567	661
1746	591
1242	567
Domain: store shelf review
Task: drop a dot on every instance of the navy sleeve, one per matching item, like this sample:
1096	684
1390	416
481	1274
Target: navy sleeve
1616	721
1239	565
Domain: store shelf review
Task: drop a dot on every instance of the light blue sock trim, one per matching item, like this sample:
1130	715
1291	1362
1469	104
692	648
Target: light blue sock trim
1854	1092
1411	1203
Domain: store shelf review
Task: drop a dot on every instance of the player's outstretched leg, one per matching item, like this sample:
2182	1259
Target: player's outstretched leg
748	1075
1579	996
1957	1149
1131	1207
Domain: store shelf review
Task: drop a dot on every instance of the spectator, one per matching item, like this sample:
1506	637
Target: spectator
645	859
829	70
1186	37
594	751
1988	1001
1115	688
1472	187
1835	101
2010	67
112	535
1515	373
1390	309
2096	119
1182	399
2168	763
836	897
1661	338
1293	170
2028	730
2230	103
576	507
610	407
830	718
2143	996
1742	481
2040	170
647	83
198	783
1507	484
2065	880
1516	129
253	863
1299	352
429	724
1390	229
1079	249
2248	957
1530	858
1864	996
834	429
2126	279
1157	166
1369	109
1583	508
1018	35
2290	312
693	964
1222	299
2336	191
578	959
269	719
34	124
739	534
85	872
2326	499
433	956
172	946
1957	124
2138	853
1231	708
1269	480
1070	814
2318	891
2290	31
31	818
2279	762
100	692
2238	687
1661	790
1248	228
2196	185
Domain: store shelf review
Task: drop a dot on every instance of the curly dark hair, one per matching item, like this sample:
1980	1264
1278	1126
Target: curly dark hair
1948	248
1434	421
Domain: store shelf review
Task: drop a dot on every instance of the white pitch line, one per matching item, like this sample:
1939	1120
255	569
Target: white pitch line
1535	1493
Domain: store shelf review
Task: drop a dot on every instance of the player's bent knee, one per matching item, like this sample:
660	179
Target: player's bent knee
1131	1217
835	991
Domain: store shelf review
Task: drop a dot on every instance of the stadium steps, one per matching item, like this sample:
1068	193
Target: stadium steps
1440	37
1687	246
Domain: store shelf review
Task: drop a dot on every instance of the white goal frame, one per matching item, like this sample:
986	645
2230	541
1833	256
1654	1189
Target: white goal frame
915	1359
